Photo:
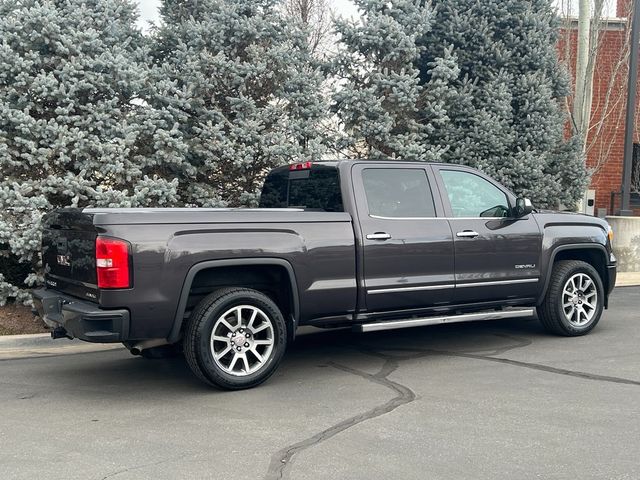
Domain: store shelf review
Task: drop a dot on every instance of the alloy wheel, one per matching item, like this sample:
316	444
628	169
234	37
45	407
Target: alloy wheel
579	299
242	340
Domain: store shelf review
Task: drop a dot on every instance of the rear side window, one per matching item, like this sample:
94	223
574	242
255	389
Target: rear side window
317	188
398	192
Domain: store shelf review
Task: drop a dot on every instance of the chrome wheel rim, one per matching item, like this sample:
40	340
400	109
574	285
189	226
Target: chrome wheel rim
579	299
242	340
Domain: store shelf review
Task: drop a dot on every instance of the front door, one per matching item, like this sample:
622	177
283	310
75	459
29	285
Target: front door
497	256
407	249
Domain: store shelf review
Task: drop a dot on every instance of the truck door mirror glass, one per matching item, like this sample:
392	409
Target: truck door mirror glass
497	211
523	207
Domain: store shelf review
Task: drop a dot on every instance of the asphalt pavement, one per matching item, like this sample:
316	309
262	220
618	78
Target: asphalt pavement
490	400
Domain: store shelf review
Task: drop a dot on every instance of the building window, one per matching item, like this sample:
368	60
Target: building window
635	169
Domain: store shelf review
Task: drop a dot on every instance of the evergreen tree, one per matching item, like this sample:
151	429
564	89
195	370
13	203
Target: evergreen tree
74	130
379	93
238	81
506	114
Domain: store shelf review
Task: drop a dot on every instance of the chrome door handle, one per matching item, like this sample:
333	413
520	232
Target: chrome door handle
467	234
378	236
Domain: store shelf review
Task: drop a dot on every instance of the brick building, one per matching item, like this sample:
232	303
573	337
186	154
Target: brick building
605	142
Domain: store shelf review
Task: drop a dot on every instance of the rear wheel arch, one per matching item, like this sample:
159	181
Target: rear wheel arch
594	254
203	278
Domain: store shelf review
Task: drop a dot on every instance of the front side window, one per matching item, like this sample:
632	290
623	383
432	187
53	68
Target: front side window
398	192
472	196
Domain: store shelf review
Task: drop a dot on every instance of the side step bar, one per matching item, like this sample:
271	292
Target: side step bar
465	317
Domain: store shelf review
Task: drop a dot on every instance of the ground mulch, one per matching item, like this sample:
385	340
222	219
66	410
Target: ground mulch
18	320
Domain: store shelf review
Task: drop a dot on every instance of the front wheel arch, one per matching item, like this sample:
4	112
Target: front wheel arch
594	254
557	311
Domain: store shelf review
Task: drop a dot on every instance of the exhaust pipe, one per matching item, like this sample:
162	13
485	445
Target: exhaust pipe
137	348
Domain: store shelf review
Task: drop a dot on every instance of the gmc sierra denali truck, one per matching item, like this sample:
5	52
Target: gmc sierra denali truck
367	244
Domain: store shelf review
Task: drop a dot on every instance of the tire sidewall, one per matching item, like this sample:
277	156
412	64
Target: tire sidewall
593	275
205	356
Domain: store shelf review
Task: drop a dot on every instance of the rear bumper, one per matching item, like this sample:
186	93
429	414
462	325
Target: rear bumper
83	320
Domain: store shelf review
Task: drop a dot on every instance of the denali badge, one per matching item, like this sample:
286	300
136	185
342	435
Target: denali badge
526	265
64	260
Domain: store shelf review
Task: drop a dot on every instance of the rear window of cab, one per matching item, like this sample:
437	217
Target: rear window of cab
316	188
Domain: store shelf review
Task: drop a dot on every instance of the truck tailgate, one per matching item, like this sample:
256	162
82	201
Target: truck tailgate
68	253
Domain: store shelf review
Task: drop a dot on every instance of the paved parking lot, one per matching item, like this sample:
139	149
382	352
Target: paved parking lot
483	401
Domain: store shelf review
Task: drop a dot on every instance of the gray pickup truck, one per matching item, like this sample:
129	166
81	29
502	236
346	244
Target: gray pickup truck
370	245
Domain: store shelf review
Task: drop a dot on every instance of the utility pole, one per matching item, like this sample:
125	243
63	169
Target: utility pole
629	126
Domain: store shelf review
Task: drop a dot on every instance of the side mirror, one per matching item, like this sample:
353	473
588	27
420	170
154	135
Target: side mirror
523	207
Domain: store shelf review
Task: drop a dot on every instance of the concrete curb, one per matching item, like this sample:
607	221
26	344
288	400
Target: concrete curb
28	338
628	279
41	344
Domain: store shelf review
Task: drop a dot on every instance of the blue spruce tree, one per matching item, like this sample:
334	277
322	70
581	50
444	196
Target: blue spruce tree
379	99
506	114
238	81
74	127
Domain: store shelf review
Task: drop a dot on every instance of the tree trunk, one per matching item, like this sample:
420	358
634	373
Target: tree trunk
580	114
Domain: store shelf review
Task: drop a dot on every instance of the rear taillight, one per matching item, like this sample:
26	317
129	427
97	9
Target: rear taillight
112	263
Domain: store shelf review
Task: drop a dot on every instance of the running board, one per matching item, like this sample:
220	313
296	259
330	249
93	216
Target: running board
465	317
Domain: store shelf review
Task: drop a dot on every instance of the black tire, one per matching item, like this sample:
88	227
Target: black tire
551	312
199	330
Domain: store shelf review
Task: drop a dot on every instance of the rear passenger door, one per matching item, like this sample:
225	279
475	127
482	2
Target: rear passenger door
497	257
407	250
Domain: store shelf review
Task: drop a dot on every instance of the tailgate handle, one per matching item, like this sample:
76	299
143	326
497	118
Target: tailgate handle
378	236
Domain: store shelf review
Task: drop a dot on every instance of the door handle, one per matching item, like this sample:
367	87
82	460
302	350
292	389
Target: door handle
467	234
378	236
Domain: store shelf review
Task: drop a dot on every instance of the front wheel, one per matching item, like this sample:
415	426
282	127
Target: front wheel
574	300
235	338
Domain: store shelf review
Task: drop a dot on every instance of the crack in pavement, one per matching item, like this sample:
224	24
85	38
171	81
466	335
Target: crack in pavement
520	343
138	467
540	367
282	459
490	357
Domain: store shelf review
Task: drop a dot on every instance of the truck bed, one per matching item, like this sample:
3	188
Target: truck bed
168	243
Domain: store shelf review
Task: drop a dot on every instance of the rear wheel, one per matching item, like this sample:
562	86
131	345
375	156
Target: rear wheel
574	300
235	338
